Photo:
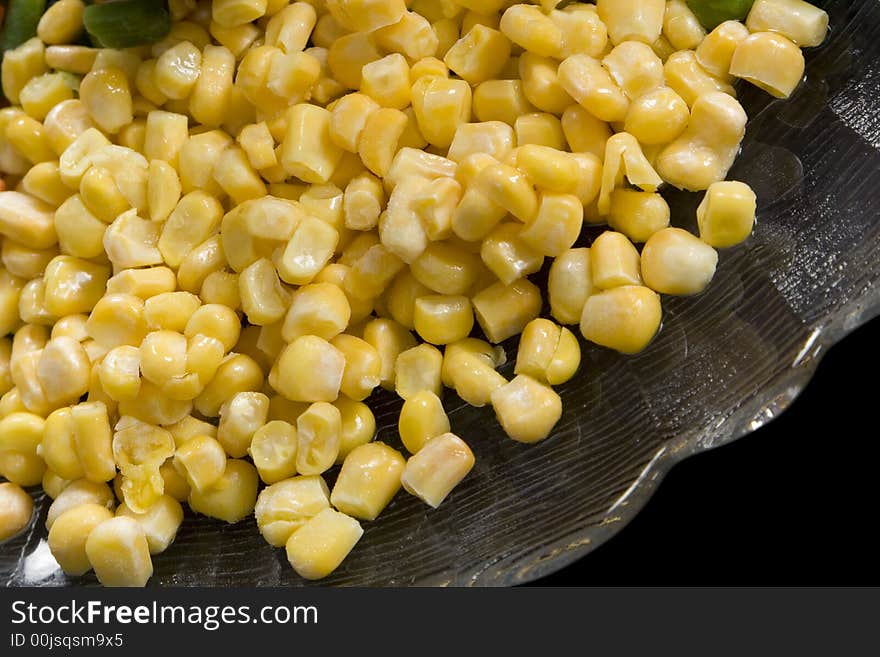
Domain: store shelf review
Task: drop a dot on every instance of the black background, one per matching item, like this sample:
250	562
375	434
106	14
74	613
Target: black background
794	503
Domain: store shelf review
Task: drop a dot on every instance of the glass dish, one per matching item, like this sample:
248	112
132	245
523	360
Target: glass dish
725	363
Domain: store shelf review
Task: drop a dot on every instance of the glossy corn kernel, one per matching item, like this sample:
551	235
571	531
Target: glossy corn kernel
439	467
273	449
284	507
318	547
318	438
416	369
631	20
16	510
676	262
68	536
390	339
159	523
657	117
232	497
526	409
803	23
441	106
119	553
368	480
623	318
240	418
479	55
503	310
769	61
309	369
584	79
421	418
727	214
76	493
638	215
202	461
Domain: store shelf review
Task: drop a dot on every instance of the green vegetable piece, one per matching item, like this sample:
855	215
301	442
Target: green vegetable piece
127	23
712	13
22	17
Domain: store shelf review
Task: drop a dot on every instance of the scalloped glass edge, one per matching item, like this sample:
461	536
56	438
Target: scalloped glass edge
768	403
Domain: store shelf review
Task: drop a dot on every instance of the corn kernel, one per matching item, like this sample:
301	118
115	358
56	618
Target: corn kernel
439	466
284	507
623	318
233	497
319	546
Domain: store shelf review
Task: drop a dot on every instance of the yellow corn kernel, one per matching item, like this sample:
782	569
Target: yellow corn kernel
163	190
624	157
623	318
362	366
504	310
209	97
479	55
412	36
769	61
726	215
446	269
284	507
614	261
584	132
493	139
308	251
318	438
273	449
80	233
20	65
235	176
635	68
379	140
401	297
196	161
233	497
413	163
68	536
582	31
119	372
118	319
540	129
358	425
803	23
593	88
439	466
715	52
58	448
177	70
508	256
170	311
363	202
263	298
508	188
101	195
549	168
681	27
72	326
307	150
556	227
237	373
320	545
632	20
202	461
421	418
441	319
32	303
319	309
16	510
216	321
638	215
11	402
64	123
40	94
106	95
688	79
366	15
240	417
77	493
132	242
92	437
390	339
43	181
143	283
447	32
27	220
63	371
348	55
386	81
73	285
416	369
24	262
371	273
72	59
441	106
176	485
540	83
196	216
309	369
232	13
539	355
257	142
368	480
166	133
657	117
526	409
349	116
62	22
500	100
528	27
397	231
160	522
237	39
145	83
676	262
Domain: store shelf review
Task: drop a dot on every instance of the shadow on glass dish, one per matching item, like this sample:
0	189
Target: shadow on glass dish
725	363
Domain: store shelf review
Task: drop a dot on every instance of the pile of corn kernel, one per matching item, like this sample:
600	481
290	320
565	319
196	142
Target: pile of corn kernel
216	247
